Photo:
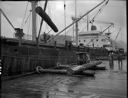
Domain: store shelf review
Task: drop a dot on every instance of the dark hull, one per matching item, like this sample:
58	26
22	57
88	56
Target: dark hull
23	59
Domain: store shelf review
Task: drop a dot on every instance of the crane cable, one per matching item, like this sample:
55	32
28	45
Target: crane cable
99	11
24	15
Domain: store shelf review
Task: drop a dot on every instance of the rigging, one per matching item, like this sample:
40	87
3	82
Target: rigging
24	15
65	17
77	20
118	33
41	23
28	26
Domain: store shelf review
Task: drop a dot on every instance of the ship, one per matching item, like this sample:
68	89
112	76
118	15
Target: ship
20	56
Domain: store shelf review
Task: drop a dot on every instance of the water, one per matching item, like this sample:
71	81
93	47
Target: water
105	84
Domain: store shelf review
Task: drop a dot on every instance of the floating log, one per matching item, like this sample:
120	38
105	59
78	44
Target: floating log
80	68
97	68
62	67
63	71
86	72
52	71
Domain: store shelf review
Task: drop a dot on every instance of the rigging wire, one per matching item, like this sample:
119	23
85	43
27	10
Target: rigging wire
49	31
45	5
65	17
99	11
7	19
118	33
24	15
76	20
69	29
27	18
73	32
28	25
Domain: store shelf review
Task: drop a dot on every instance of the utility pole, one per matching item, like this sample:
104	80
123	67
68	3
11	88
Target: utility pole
34	31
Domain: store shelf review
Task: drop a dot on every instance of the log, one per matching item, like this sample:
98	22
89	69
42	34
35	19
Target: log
97	68
63	71
86	73
62	67
80	68
52	71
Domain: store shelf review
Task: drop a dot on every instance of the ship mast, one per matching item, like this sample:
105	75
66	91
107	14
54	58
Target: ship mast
34	31
87	23
0	23
76	24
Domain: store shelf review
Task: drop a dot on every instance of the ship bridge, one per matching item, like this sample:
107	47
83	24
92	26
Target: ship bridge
93	39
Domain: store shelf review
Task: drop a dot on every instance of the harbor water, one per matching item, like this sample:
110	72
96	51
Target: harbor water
111	83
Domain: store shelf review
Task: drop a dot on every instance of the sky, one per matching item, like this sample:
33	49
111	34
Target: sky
114	11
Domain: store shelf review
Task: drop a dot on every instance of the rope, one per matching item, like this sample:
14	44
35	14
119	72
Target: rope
38	69
24	15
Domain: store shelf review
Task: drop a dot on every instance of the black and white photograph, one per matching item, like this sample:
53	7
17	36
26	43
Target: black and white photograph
63	48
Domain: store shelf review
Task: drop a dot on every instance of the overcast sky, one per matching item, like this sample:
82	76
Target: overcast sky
115	12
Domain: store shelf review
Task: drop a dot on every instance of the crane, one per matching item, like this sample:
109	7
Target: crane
7	18
18	32
78	19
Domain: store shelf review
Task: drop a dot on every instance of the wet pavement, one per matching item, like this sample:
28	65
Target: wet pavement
105	84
